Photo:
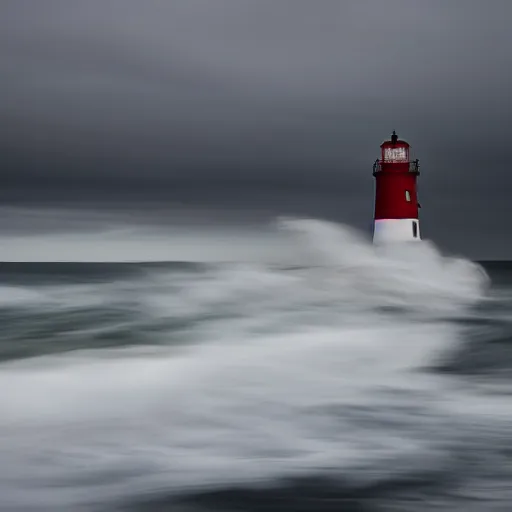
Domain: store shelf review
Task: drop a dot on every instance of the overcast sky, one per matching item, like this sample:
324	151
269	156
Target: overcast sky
271	105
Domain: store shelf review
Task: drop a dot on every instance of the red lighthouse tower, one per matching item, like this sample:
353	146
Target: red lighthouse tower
396	200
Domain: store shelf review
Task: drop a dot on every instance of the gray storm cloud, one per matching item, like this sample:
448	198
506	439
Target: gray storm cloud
200	97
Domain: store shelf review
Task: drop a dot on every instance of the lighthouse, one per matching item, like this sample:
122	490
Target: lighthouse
396	200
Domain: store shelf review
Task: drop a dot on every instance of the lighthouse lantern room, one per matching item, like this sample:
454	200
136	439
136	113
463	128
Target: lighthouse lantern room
396	199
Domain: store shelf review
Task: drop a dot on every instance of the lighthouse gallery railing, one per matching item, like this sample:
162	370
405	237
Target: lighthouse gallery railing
414	166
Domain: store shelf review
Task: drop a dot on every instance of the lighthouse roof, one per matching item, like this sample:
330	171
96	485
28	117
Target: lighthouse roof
394	141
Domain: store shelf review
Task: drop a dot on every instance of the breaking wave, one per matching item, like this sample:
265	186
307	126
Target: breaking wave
313	365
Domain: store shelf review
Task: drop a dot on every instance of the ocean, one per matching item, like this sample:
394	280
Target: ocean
343	377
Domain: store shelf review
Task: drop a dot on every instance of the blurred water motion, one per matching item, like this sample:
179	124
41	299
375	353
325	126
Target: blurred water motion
335	377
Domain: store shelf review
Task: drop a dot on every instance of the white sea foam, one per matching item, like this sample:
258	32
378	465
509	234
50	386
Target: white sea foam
301	372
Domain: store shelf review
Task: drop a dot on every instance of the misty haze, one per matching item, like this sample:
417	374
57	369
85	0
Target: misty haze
255	255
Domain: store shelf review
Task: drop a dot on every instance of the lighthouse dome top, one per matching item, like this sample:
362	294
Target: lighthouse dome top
394	141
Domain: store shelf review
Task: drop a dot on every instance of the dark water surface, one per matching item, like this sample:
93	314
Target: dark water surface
358	381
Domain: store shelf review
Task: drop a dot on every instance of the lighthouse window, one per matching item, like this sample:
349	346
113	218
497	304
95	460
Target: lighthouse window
395	154
407	196
414	229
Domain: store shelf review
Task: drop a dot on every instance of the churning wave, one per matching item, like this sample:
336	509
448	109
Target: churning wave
245	385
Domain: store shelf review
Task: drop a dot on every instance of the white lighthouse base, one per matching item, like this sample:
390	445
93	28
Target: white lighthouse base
396	230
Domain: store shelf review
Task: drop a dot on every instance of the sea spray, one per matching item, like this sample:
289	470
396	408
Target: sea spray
313	365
